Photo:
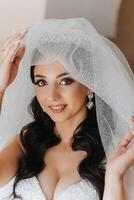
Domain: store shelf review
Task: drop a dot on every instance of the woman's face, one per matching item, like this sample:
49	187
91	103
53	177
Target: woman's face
56	87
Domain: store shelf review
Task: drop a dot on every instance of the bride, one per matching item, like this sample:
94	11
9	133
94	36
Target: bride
61	153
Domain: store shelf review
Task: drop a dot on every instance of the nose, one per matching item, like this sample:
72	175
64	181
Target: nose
53	94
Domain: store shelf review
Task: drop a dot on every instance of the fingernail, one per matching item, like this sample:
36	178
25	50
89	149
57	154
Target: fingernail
131	119
12	59
17	43
23	31
131	126
13	34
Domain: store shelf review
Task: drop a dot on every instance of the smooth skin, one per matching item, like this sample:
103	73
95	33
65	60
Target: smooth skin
53	90
61	161
9	63
117	165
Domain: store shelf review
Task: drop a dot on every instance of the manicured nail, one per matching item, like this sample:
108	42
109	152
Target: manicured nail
23	31
17	43
12	59
131	118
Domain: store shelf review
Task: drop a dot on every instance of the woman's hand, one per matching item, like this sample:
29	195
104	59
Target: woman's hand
11	56
122	157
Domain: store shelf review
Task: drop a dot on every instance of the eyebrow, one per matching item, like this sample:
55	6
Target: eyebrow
60	75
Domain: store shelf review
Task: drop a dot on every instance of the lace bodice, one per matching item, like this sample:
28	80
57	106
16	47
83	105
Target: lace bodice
30	189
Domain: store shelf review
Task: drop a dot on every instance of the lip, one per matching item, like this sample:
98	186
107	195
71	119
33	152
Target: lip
58	110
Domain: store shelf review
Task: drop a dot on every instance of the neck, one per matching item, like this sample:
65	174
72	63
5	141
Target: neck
66	129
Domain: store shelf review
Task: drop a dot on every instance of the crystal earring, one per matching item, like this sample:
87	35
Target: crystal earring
90	104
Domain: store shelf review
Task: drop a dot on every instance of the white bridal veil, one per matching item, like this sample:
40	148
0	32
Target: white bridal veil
93	61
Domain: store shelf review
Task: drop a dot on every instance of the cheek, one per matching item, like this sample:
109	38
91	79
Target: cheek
40	96
76	95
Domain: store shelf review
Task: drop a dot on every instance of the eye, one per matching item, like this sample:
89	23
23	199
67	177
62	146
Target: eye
40	82
67	81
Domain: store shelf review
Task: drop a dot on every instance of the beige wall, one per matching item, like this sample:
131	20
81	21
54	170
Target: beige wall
17	14
125	30
112	18
102	13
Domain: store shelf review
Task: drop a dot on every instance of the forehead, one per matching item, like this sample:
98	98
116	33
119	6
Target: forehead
55	67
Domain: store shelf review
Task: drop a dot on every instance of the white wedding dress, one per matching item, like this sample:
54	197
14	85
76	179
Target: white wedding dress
30	189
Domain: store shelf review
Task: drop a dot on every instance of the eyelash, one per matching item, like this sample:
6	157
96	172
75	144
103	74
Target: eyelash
40	80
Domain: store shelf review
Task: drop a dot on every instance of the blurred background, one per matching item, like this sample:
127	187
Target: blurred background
112	18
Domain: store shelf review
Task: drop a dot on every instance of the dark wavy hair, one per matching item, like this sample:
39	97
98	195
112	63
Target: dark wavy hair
38	136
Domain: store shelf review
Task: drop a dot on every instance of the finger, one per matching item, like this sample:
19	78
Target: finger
13	38
132	122
132	118
7	57
130	153
126	139
9	39
18	56
17	53
12	42
10	49
20	52
19	34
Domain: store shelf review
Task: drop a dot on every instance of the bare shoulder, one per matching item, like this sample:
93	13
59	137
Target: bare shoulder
19	142
9	158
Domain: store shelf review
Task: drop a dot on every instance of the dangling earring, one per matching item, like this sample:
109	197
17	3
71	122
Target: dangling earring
90	104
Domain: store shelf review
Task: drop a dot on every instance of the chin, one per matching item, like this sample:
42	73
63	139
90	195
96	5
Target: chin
60	118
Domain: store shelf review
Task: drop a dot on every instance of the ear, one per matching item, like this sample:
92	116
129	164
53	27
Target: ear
89	91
